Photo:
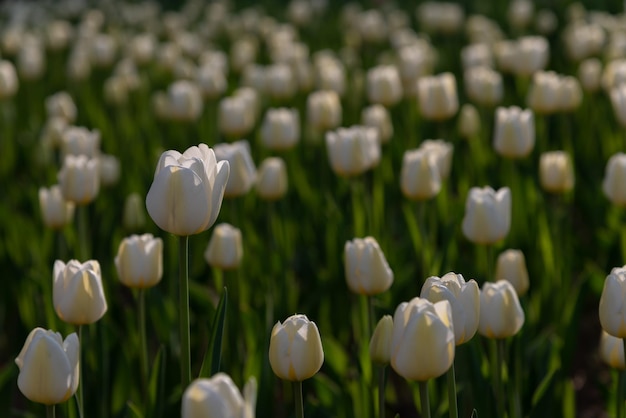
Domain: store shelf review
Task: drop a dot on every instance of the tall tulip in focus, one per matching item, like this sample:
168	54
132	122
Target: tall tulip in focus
184	199
296	353
218	397
49	367
367	271
77	294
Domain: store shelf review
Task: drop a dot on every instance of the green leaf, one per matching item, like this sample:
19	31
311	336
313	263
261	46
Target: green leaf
212	358
136	411
156	384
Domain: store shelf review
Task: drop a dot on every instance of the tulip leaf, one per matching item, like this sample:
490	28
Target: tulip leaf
212	358
136	411
156	384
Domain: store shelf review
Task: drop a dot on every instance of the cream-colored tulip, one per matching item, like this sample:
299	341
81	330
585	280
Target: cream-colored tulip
367	270
531	54
612	351
377	116
49	366
281	83
590	74
514	133
469	121
296	351
139	261
384	86
422	342
501	314
271	181
55	210
280	129
218	397
61	104
134	216
323	110
235	117
420	178
614	183
511	266
440	152
484	86
109	168
464	298
613	303
380	344
353	150
225	249
186	194
437	96
487	217
79	179
9	82
242	169
556	172
211	81
77	292
78	140
184	101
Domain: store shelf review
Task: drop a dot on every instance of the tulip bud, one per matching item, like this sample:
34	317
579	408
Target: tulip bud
420	178
78	140
367	270
384	86
380	344
422	342
280	129
464	299
218	397
353	150
501	314
323	110
139	261
242	170
469	121
281	82
184	101
77	292
79	179
61	104
272	179
487	217
296	351
211	81
484	86
377	116
440	152
55	210
514	133
235	118
109	169
186	194
134	217
614	183
612	351
49	366
612	300
437	96
590	74
9	83
618	101
511	266
531	54
556	172
225	248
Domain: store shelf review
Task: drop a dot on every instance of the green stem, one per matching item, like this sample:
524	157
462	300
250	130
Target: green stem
81	366
144	344
424	237
297	397
424	399
497	372
50	413
357	206
452	409
83	241
183	294
490	272
381	391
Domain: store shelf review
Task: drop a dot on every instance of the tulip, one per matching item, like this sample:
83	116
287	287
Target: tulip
61	104
477	55
464	298
484	86
186	194
115	90
440	152
77	292
184	101
139	261
49	366
31	59
543	95
618	101
211	81
55	210
469	121
281	82
235	117
520	13
501	315
440	17
384	86
367	270
377	116
9	82
590	74
612	351
272	179
79	179
103	50
556	172
614	183
612	301
487	217
134	217
420	178
354	150
530	55
380	344
331	76
514	133
323	110
109	169
583	40
242	170
296	350
511	266
437	96
78	140
422	342
218	397
225	248
280	129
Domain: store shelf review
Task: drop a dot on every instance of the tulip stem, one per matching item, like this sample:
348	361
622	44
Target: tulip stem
183	294
452	404
81	384
83	243
143	342
497	374
425	403
297	396
381	391
50	412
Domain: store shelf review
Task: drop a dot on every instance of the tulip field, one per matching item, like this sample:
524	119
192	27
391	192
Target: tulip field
234	209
